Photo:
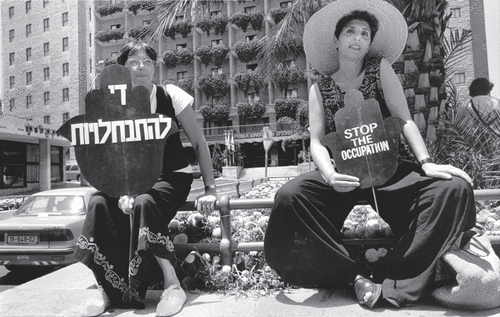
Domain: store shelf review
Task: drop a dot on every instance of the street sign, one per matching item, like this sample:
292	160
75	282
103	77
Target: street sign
267	144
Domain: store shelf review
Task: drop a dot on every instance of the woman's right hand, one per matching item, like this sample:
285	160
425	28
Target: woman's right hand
126	204
342	183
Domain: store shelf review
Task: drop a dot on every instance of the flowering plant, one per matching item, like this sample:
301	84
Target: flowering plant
219	23
249	80
217	114
204	52
285	76
247	51
183	28
249	111
139	32
110	9
256	19
241	20
213	85
204	24
141	5
185	84
185	56
170	59
218	54
277	14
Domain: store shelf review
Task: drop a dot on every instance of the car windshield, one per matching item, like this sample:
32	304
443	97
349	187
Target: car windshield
52	206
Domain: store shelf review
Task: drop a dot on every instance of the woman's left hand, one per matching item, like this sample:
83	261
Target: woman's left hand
205	204
445	172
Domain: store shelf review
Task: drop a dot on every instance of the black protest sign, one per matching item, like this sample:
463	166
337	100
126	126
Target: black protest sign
365	145
118	141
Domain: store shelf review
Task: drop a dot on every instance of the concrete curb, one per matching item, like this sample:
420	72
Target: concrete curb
64	292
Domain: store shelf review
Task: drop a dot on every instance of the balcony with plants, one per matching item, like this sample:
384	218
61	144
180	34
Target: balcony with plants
109	11
110	37
244	20
141	7
216	23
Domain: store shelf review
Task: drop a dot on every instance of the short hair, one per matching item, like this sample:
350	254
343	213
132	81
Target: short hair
131	48
358	15
480	87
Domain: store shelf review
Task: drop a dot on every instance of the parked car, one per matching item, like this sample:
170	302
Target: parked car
45	228
73	172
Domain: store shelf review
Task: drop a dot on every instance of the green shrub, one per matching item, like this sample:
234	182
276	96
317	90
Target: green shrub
170	59
249	111
241	20
213	85
219	23
204	52
247	51
219	53
185	56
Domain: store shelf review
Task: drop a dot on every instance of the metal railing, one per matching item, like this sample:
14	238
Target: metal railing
227	246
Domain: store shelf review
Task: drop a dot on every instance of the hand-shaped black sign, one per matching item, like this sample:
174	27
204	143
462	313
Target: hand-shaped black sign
118	141
365	145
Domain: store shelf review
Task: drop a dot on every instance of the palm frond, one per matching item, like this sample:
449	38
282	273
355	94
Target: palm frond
278	44
456	49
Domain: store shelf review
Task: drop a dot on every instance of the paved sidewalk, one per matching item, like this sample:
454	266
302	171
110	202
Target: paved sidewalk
64	292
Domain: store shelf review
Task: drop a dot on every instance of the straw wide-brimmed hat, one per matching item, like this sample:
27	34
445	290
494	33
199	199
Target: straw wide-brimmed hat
319	34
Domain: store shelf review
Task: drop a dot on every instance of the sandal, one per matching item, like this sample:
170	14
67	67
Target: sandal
362	287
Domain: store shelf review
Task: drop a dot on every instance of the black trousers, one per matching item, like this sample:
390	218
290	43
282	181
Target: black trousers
426	213
121	249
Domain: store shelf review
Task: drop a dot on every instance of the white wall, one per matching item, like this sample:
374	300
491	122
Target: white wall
492	21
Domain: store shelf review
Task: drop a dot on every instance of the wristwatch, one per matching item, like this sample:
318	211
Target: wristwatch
207	187
426	160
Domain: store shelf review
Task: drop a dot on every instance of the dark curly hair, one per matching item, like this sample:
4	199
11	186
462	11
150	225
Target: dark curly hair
358	15
480	87
131	48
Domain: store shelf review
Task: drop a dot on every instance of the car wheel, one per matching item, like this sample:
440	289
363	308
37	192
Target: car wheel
77	178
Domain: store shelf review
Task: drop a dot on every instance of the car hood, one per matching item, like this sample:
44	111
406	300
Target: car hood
37	222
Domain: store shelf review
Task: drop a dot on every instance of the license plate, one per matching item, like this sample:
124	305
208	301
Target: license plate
22	239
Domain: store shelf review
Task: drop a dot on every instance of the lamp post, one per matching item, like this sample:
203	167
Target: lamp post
267	140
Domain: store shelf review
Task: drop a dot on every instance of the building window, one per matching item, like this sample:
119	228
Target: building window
65	68
29	102
28	30
46	49
252	97
216	71
115	26
12	58
46	73
250	9
285	4
11	35
65	116
181	75
114	54
65	94
290	94
28	54
249	38
46	97
65	44
65	19
455	13
146	22
460	78
180	46
12	104
215	13
46	24
251	66
12	81
11	12
216	42
90	14
28	7
45	3
179	18
216	100
29	78
46	119
90	39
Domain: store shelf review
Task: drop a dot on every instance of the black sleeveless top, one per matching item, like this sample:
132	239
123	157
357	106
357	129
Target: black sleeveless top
173	153
333	100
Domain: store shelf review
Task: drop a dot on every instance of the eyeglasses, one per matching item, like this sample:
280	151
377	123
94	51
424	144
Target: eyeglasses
135	62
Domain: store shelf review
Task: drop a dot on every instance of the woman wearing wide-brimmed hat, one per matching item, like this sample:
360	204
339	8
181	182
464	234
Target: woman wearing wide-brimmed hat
354	42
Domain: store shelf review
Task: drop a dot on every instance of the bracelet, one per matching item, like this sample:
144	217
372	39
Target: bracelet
210	187
426	160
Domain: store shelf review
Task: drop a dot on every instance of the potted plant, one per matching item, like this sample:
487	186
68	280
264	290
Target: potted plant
170	32
139	32
219	53
170	59
103	36
110	9
285	76
217	114
249	80
183	28
256	20
213	85
185	84
286	108
219	23
204	52
141	5
250	111
116	34
277	14
246	52
241	20
204	24
185	56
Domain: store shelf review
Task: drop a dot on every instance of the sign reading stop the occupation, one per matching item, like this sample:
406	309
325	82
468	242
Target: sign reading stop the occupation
118	141
364	145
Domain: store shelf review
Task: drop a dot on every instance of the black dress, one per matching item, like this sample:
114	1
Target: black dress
119	248
303	241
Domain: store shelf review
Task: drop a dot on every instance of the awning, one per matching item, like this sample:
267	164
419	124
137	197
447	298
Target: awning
23	130
246	140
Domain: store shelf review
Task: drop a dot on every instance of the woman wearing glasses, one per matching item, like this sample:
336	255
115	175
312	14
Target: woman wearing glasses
126	258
